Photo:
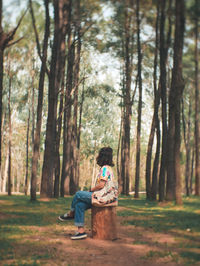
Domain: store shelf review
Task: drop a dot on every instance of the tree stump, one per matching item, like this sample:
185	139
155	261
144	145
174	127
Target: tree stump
104	223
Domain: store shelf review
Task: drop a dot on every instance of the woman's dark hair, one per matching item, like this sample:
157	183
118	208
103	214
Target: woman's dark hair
105	157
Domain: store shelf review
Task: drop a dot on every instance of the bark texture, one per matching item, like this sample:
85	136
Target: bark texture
104	223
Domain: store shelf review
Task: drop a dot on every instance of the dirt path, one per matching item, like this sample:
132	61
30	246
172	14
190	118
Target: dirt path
134	246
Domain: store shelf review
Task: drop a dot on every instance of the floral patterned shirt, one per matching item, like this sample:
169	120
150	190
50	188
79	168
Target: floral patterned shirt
105	173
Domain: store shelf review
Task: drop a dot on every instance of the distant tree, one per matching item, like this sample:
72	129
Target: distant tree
187	142
139	66
10	133
6	40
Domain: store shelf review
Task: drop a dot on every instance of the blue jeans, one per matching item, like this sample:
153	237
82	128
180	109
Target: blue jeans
80	203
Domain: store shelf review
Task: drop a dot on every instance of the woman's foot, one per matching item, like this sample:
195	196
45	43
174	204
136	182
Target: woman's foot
79	235
66	216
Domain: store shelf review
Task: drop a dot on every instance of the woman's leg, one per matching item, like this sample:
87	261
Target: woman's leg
80	208
79	217
81	201
83	196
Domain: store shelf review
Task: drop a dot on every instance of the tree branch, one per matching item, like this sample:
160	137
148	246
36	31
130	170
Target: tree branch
35	29
12	43
11	34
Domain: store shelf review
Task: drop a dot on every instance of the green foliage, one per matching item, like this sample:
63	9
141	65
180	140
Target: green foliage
100	119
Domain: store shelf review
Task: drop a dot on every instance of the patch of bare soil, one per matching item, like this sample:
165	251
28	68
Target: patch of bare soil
134	246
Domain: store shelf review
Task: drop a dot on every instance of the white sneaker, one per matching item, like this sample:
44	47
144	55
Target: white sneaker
79	236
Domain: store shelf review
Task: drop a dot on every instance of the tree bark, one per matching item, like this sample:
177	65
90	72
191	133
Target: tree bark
118	154
164	104
62	59
137	171
79	128
36	144
58	137
121	177
104	223
10	140
54	85
66	165
127	98
192	169
27	153
154	186
164	45
187	135
175	101
75	182
5	174
152	190
197	135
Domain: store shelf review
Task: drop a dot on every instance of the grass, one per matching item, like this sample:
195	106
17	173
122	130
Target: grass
20	221
180	222
30	233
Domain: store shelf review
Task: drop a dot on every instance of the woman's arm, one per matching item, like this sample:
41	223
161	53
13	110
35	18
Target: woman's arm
99	186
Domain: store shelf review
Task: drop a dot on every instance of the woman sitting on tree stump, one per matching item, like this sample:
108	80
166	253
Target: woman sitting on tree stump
102	193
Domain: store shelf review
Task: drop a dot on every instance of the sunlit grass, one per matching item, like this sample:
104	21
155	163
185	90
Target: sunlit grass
181	222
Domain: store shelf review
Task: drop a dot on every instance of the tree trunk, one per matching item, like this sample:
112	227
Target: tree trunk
33	112
163	99
58	136
154	121
1	81
66	165
127	98
175	99
187	134
164	45
54	84
27	153
5	39
36	145
9	141
104	223
62	59
121	177
197	135
1	101
118	154
137	171
5	175
154	186
192	170
79	130
74	183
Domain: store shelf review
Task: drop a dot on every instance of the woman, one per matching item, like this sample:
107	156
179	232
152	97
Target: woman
83	199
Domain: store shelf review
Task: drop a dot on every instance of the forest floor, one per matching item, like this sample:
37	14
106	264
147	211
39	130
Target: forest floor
149	233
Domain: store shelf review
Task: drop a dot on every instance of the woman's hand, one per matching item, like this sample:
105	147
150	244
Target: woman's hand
99	186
